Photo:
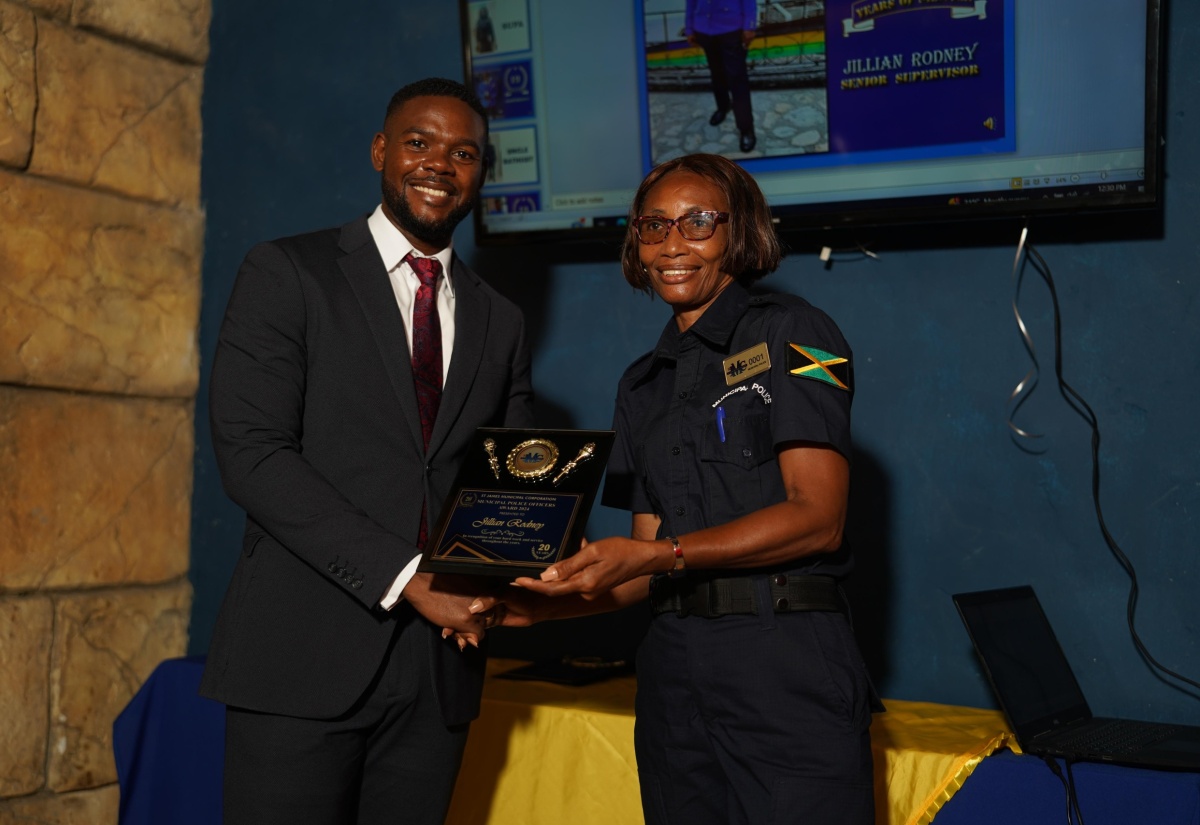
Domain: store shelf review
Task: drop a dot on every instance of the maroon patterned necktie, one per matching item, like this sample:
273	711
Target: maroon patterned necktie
426	353
427	342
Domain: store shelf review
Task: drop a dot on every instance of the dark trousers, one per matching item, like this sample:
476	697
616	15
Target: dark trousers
748	720
389	759
726	56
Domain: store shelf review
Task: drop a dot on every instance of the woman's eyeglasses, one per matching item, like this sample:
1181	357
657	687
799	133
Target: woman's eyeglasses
694	226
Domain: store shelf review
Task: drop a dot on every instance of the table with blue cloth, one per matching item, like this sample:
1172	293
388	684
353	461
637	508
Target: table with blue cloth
551	753
169	744
1008	788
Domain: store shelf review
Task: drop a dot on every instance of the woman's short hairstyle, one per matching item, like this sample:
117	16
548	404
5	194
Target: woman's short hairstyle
753	249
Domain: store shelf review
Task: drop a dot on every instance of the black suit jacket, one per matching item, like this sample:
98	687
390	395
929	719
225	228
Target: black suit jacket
317	437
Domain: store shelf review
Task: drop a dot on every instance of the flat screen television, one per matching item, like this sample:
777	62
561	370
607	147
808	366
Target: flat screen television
866	114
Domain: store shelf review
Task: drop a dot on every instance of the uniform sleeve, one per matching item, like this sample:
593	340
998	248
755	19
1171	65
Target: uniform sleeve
812	381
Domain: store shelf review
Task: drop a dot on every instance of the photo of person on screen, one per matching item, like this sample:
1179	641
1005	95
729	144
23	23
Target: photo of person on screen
485	33
764	63
724	29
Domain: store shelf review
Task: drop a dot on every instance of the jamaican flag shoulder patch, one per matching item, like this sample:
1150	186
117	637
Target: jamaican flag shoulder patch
804	361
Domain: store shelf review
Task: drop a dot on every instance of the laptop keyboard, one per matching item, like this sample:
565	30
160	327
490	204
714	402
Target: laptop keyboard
1117	736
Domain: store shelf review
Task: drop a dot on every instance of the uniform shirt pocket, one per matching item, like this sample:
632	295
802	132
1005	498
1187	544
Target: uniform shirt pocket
732	469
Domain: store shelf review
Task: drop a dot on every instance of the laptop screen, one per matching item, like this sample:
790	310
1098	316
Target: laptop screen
1022	659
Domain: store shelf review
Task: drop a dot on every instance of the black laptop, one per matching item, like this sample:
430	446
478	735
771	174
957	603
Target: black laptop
1041	698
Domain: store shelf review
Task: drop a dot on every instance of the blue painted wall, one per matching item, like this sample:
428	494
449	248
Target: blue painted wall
945	498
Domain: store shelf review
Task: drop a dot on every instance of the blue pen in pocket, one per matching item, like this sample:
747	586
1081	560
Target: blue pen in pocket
721	423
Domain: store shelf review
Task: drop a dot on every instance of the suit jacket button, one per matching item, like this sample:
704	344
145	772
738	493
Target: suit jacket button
781	580
332	567
781	604
356	584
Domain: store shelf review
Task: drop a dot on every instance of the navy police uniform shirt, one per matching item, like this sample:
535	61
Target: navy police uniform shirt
699	419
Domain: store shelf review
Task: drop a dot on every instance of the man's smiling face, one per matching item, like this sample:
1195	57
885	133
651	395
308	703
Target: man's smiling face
430	160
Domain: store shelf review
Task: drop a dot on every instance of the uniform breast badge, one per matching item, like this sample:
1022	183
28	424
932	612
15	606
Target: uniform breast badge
747	363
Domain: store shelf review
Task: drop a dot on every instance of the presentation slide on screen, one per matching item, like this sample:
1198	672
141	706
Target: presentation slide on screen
498	27
842	78
848	99
506	89
906	73
512	156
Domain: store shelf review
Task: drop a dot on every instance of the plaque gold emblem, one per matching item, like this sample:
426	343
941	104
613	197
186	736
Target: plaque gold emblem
532	459
489	444
585	452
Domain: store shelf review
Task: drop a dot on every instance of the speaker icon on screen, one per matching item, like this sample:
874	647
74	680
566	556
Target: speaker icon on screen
990	123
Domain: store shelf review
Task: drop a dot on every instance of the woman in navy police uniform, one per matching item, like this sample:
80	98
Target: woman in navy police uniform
732	453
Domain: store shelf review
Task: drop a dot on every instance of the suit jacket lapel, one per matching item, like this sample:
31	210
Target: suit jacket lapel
364	270
470	333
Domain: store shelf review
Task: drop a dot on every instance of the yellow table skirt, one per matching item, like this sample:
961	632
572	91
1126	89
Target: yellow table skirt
546	754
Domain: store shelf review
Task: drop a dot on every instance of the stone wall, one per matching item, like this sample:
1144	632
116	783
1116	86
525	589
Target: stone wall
101	235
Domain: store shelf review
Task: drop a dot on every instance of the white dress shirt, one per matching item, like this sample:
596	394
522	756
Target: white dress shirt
394	248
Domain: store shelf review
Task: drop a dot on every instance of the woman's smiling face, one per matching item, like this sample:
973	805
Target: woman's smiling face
686	274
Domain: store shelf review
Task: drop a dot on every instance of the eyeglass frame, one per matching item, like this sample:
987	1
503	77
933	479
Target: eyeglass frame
673	223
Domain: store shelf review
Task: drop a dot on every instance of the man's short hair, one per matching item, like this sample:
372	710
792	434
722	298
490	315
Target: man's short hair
437	87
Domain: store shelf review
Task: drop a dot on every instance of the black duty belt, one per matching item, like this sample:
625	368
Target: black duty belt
711	598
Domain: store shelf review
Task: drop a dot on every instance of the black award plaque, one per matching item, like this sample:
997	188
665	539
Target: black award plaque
520	501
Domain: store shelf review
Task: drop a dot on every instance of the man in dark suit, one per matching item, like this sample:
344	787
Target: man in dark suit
348	697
